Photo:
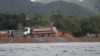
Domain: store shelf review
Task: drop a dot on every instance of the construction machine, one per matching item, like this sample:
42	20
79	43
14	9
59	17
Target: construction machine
41	32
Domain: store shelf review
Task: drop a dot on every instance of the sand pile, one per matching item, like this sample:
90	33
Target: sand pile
70	38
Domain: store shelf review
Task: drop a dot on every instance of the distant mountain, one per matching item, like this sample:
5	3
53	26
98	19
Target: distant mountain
92	5
30	8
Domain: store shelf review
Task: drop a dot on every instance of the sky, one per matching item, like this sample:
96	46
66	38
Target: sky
46	1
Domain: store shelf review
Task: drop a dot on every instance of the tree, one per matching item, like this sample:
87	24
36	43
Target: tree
91	24
21	20
2	21
40	20
11	21
66	23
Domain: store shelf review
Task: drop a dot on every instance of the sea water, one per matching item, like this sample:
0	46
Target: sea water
50	49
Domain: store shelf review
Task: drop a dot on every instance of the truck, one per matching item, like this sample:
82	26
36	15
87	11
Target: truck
32	32
40	32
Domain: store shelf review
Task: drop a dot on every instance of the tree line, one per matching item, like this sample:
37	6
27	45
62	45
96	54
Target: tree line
64	23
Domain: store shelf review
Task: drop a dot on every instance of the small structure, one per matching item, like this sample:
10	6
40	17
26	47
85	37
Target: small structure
88	34
10	33
3	33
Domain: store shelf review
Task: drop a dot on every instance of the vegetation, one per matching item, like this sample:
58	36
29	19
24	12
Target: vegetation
38	20
64	23
91	25
11	21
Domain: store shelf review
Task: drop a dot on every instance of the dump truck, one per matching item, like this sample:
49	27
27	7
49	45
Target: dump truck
41	32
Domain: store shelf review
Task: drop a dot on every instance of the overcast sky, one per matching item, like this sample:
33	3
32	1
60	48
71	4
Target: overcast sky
47	1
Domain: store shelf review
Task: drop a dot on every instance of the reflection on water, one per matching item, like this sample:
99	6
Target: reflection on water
50	49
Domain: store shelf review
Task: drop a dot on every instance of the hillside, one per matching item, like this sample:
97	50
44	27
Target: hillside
30	8
91	5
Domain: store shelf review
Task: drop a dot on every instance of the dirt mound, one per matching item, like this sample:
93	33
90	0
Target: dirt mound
70	38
